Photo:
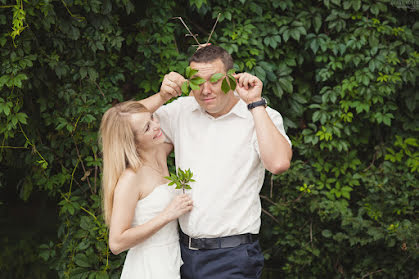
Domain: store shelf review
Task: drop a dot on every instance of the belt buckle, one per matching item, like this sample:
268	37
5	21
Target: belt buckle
189	245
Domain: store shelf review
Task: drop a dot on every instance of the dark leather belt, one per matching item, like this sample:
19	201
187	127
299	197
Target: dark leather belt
219	242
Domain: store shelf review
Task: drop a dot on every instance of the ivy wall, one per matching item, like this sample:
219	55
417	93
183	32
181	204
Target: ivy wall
342	73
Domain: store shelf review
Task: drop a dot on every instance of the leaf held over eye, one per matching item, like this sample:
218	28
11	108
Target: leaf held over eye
216	77
194	86
198	80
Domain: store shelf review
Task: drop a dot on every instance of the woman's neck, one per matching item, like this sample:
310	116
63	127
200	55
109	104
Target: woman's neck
151	157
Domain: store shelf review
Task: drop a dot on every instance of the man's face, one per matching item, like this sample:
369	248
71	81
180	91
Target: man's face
210	96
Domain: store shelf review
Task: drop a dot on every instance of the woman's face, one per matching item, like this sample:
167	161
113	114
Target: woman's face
146	130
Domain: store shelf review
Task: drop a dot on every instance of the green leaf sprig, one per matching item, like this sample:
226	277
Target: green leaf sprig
191	83
229	82
182	179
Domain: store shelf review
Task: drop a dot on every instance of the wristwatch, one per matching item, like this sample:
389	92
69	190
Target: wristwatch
257	104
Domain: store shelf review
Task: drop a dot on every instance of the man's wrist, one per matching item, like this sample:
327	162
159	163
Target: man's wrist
249	101
259	103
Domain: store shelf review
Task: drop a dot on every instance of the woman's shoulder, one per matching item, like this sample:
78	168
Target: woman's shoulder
128	181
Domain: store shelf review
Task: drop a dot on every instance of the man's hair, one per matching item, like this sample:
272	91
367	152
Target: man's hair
211	53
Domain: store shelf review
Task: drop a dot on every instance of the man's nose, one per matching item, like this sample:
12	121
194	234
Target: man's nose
206	88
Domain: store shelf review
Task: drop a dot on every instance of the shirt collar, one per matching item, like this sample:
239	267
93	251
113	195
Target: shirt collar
239	109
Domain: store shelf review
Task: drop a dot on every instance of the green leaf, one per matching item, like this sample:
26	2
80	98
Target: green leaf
224	86
185	87
197	80
83	72
231	72
81	260
193	86
190	72
327	233
216	77
21	117
286	84
232	81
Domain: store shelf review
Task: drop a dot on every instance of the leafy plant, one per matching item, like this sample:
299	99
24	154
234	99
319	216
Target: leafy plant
181	179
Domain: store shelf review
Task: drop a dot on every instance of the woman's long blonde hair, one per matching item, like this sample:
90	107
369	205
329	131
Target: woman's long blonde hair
119	148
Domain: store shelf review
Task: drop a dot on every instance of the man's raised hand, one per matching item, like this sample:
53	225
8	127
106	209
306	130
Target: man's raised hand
249	87
171	86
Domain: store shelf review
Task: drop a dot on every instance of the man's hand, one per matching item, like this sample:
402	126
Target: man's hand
171	86
249	87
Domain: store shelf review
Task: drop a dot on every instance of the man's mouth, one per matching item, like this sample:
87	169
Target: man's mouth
206	100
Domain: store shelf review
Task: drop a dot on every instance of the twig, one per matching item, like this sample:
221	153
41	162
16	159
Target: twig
178	17
311	233
371	273
72	177
13	147
78	17
82	165
272	186
372	163
213	28
100	90
270	215
267	199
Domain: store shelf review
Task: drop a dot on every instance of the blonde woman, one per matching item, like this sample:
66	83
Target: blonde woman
140	209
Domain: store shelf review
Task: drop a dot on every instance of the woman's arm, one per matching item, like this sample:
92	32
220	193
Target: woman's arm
121	235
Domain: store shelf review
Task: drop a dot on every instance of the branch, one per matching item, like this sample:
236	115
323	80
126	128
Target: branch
100	90
270	215
82	165
371	273
13	147
267	199
213	28
184	24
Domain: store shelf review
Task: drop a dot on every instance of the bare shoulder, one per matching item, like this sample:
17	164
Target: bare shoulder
127	183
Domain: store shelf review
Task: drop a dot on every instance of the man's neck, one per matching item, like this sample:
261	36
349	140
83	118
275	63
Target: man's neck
233	101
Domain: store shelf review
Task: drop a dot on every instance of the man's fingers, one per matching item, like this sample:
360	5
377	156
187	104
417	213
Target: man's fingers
176	78
172	87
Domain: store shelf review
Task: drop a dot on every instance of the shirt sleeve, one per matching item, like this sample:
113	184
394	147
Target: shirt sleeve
165	115
278	122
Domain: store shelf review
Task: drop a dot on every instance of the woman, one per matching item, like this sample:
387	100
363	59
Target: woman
139	207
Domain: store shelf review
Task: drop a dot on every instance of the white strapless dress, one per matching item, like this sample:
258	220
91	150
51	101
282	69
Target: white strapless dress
158	257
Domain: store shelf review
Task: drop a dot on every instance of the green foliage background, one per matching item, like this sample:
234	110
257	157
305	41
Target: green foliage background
342	73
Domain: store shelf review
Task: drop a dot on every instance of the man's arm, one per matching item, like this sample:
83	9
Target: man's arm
171	87
275	151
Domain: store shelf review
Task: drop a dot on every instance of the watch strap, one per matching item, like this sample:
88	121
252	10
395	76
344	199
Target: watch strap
261	102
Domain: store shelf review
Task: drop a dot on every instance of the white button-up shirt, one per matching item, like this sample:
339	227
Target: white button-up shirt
223	155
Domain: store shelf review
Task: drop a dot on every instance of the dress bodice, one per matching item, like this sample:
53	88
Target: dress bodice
151	206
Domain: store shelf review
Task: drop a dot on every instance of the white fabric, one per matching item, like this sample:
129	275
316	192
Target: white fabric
159	255
223	155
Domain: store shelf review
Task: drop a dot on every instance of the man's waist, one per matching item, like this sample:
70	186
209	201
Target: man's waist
217	242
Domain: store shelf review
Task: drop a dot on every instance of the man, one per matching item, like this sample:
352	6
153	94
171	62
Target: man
227	140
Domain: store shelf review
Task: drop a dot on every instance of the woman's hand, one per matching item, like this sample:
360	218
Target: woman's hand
180	205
